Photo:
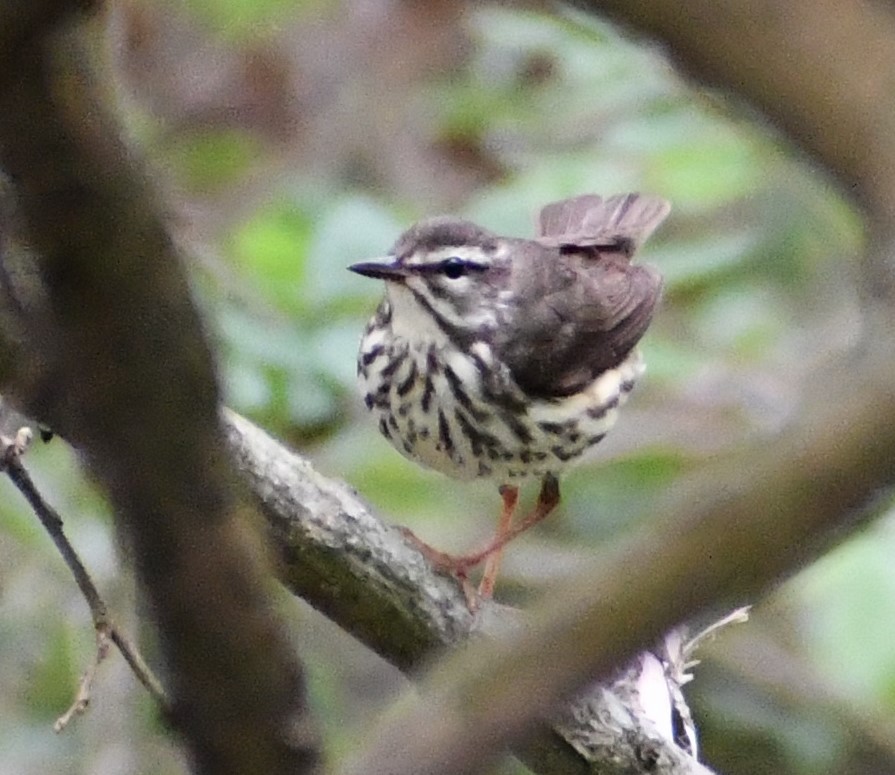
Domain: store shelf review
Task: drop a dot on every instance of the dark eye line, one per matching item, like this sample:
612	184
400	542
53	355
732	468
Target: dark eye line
455	265
455	262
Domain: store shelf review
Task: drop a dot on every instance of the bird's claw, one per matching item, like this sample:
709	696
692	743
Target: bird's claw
457	567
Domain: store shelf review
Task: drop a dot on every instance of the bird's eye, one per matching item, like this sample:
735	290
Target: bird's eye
454	268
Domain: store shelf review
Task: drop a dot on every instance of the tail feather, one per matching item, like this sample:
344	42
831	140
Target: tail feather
623	222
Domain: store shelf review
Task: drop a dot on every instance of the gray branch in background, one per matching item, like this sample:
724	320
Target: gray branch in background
823	71
338	555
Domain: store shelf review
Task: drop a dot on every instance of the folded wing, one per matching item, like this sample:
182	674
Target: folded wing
583	307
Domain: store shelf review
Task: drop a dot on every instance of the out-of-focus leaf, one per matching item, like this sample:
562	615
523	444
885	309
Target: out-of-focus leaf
534	72
354	229
670	361
310	401
714	168
245	386
701	258
272	249
335	352
744	320
267	340
16	523
248	18
211	160
850	594
52	674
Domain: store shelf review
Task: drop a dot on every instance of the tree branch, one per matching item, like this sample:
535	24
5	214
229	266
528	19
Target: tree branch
359	571
724	539
118	362
752	521
103	625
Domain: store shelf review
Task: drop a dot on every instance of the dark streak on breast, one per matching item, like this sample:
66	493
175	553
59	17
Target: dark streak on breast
444	433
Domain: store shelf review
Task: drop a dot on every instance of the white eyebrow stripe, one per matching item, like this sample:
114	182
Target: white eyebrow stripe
472	254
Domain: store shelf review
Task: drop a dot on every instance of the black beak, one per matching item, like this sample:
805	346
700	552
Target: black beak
381	270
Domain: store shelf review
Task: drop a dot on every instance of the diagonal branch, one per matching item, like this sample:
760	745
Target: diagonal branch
747	523
338	555
750	522
105	628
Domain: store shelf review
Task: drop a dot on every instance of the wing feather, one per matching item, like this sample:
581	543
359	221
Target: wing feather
581	305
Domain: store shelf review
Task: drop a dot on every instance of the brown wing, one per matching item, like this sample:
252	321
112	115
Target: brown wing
580	305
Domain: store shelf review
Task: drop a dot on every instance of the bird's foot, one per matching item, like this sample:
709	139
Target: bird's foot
455	565
459	565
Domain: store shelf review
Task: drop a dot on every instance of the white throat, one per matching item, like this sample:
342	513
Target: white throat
410	321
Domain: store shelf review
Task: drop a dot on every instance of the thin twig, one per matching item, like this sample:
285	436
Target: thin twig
139	667
105	629
85	685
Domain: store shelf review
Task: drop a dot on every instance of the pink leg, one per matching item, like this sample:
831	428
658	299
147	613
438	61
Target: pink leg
459	565
548	499
510	497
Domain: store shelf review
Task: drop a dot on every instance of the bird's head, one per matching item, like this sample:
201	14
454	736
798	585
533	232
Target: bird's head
444	276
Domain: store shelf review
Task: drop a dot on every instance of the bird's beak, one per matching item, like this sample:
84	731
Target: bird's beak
385	269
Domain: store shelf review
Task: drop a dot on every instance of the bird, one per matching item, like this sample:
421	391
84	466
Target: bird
507	358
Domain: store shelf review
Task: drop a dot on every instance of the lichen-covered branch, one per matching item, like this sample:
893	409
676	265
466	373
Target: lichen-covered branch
726	539
341	557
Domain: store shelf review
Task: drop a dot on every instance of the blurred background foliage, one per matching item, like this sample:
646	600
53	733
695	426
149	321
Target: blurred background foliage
291	138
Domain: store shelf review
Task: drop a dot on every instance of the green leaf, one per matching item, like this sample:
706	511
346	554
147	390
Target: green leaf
211	160
272	249
354	229
236	19
713	167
